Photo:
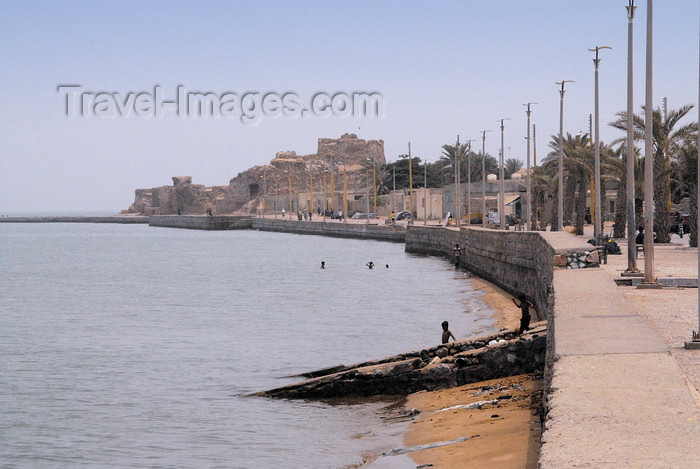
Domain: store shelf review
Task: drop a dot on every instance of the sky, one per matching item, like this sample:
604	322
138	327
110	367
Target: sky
441	68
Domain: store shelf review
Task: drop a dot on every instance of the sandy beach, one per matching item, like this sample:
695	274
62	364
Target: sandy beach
495	423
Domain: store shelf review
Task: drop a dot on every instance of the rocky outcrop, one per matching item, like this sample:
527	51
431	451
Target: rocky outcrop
181	198
286	179
448	365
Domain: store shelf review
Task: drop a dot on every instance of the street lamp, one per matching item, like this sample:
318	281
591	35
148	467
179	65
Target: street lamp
410	184
501	187
528	213
374	180
649	156
631	157
458	186
597	227
345	188
469	182
483	177
560	195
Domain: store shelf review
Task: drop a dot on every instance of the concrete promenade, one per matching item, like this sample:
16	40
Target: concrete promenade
624	390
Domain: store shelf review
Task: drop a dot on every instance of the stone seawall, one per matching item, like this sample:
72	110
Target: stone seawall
394	233
519	262
201	222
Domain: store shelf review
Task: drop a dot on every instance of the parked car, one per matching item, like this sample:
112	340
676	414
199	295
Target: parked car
402	215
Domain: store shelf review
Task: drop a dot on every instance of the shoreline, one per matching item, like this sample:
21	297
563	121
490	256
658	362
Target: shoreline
503	433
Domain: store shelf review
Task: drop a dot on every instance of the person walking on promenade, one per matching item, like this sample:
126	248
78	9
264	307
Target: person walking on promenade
323	264
525	317
446	334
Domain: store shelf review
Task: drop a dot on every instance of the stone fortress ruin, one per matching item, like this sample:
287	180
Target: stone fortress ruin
290	182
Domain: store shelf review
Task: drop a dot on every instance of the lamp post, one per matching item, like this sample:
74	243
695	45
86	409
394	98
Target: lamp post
696	335
345	188
597	227
649	156
483	177
469	182
528	213
289	174
410	183
332	191
393	192
264	190
311	191
367	181
631	157
425	192
560	194
501	182
458	187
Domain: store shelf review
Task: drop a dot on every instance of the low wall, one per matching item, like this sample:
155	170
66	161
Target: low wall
201	222
519	262
63	219
394	233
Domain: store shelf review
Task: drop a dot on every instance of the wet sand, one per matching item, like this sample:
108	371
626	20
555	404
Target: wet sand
503	433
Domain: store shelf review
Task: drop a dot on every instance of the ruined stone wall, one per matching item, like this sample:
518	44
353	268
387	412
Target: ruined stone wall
182	197
287	175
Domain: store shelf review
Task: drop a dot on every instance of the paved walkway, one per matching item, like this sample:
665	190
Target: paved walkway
625	392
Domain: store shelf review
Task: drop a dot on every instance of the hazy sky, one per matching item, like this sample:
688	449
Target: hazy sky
442	69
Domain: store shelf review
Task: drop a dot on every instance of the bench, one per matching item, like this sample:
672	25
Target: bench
638	248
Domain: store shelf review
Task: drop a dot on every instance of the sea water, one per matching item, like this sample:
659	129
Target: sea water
131	346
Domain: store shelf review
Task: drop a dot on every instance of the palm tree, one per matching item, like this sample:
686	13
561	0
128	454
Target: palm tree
491	164
543	187
512	166
578	169
449	156
689	164
667	140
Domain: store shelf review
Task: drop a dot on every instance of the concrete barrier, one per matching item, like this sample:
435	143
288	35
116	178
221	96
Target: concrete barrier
393	233
201	222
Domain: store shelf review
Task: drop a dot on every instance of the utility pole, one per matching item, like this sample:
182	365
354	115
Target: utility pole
696	335
425	192
649	278
393	192
469	182
528	213
631	157
534	145
501	202
345	188
458	186
597	227
560	195
410	183
483	177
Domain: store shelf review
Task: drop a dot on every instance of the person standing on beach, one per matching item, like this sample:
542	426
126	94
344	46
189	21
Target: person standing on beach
524	306
446	334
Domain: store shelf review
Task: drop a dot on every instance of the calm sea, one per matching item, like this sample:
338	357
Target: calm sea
129	346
